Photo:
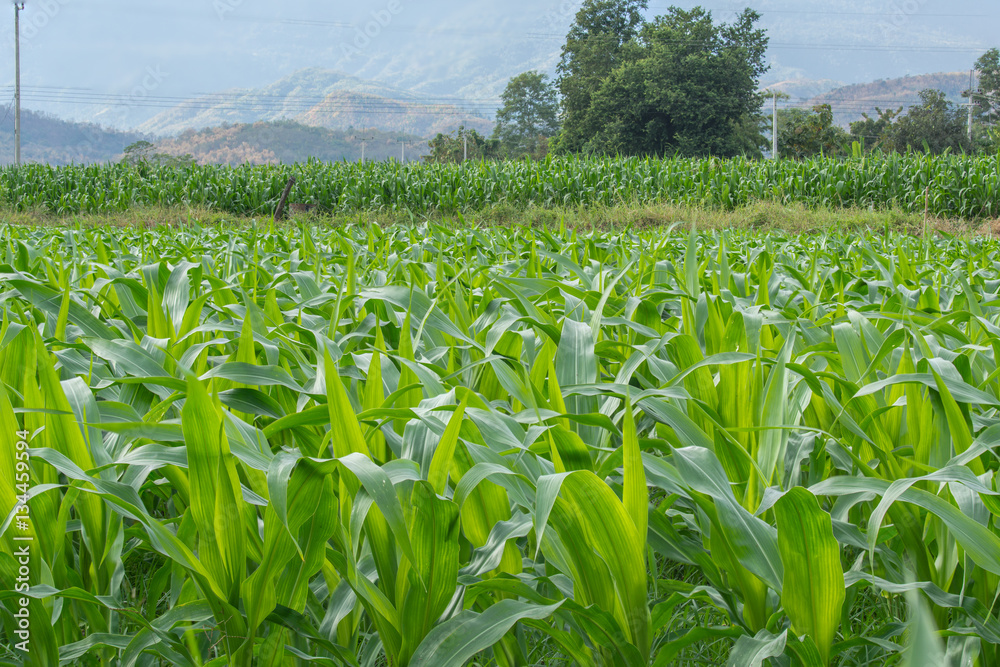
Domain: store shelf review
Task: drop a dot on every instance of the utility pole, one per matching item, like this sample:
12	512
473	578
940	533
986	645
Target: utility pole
402	152
972	74
362	152
465	147
18	7
774	125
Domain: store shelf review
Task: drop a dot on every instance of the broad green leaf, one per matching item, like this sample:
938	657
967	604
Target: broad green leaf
813	583
453	642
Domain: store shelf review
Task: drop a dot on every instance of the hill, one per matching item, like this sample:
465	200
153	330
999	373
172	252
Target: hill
801	89
849	102
321	98
142	57
288	141
54	141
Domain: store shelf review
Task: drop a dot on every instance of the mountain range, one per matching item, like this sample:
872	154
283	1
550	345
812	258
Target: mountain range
288	141
320	98
121	64
55	141
850	102
328	115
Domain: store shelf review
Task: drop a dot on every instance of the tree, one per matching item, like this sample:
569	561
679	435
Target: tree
686	86
138	152
528	116
749	135
451	147
988	67
803	134
873	133
992	144
593	48
936	124
144	153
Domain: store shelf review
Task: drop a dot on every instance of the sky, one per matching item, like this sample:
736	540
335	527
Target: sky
81	56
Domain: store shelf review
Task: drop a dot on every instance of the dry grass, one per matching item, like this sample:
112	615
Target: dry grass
794	218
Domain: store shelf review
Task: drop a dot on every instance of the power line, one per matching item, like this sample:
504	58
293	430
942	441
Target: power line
765	12
300	105
374	108
815	46
241	95
269	98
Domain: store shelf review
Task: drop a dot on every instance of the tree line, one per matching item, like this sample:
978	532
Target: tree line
682	84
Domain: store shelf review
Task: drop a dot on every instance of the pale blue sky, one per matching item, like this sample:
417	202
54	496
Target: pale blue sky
148	52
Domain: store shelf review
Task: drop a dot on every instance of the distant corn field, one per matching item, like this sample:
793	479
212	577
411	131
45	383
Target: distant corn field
957	186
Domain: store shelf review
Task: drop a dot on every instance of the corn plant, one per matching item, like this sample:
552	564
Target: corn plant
956	186
429	446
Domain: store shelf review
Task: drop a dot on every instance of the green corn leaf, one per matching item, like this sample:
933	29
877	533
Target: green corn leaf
813	583
452	643
441	462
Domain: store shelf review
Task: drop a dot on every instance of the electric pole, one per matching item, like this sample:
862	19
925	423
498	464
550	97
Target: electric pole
465	147
362	152
774	125
971	76
402	152
18	6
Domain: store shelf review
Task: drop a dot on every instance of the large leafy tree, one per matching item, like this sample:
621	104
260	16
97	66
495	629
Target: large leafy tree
528	116
873	133
594	47
988	67
686	86
145	153
803	134
936	124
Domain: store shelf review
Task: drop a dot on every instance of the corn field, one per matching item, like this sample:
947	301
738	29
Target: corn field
957	187
436	447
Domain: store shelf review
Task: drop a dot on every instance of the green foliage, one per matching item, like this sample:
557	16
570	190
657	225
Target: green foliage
873	133
748	135
685	87
528	116
993	140
961	187
805	134
593	49
452	148
677	85
422	446
988	67
144	153
936	125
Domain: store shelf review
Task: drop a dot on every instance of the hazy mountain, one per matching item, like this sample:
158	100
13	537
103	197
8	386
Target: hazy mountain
287	141
58	142
123	63
321	98
804	89
850	102
319	114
